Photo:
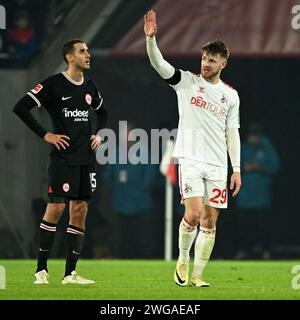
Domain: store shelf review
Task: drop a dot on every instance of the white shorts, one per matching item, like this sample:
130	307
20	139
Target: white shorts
200	179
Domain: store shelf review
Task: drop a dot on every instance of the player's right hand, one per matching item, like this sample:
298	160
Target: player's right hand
59	140
150	26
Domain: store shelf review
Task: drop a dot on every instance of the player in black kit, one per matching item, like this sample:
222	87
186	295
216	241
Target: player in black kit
68	97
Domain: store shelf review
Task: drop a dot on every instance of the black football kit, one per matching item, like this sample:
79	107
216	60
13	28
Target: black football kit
69	103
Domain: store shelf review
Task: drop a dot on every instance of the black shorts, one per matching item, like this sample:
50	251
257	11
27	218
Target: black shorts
70	182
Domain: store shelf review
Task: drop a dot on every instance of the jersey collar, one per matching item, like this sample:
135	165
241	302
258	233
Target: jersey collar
77	83
212	84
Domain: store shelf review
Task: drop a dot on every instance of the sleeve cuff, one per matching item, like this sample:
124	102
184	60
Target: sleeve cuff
150	38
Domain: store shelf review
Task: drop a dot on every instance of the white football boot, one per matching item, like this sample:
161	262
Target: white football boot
74	278
41	277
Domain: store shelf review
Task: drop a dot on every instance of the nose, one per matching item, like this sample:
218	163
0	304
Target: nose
205	64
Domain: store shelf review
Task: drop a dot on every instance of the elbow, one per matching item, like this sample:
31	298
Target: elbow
22	106
102	114
17	109
153	65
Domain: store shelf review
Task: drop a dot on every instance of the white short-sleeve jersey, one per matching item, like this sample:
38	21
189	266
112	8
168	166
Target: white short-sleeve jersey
206	110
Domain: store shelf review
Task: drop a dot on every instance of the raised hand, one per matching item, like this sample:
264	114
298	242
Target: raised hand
59	140
150	26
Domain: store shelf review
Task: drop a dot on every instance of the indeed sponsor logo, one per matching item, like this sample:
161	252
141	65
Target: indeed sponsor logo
80	115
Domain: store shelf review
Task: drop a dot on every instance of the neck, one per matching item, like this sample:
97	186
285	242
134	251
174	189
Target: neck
214	80
75	74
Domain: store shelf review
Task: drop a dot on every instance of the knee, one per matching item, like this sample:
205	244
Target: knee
192	216
78	210
208	221
54	212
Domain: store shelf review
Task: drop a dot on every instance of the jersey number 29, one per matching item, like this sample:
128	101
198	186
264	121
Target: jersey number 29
219	194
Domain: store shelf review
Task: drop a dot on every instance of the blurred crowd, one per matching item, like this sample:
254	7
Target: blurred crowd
19	43
29	24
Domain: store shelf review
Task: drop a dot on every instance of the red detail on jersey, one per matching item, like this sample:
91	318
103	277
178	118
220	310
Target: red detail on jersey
88	99
180	182
201	89
214	199
199	102
37	88
220	193
226	84
50	190
224	196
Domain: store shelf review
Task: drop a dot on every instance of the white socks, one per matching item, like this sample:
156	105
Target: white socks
187	234
203	248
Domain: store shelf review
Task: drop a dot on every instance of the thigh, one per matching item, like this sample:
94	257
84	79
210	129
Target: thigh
63	182
194	209
191	183
216	187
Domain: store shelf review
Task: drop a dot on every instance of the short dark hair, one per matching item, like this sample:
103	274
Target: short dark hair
215	47
68	47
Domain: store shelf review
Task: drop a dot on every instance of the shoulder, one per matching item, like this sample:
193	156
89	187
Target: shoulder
230	92
52	80
189	76
189	73
229	86
54	77
229	89
45	84
89	82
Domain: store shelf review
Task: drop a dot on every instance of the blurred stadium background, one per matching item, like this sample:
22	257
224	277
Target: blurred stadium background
264	67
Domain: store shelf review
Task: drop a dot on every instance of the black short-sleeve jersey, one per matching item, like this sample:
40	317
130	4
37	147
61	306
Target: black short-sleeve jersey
69	104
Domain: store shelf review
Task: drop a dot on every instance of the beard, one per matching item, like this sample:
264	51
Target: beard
208	75
82	66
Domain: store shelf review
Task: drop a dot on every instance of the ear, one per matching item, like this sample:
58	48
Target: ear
224	64
69	57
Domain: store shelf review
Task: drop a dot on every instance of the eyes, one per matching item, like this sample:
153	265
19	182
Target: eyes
84	51
210	60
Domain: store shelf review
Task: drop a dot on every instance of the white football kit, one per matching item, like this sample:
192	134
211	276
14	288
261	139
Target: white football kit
207	129
206	111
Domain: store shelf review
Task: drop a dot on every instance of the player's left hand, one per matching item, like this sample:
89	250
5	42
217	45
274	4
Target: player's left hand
96	141
235	183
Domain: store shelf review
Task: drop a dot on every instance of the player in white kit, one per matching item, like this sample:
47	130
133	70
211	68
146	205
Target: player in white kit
207	130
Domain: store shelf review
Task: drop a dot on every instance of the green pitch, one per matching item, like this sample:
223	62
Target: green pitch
116	280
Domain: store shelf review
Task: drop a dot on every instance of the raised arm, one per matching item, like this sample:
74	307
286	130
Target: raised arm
164	68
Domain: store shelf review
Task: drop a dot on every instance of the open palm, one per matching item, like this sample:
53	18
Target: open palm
150	27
